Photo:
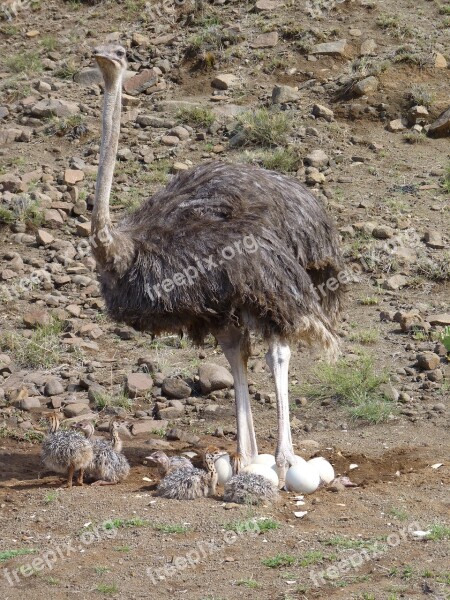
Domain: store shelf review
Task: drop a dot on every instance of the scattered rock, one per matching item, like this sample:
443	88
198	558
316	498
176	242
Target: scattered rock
36	317
428	361
148	426
224	81
396	125
317	159
441	319
52	107
267	5
175	387
30	403
76	409
383	232
73	176
43	237
265	40
141	82
433	239
440	61
138	384
53	387
182	436
440	127
281	94
365	86
395	282
368	47
213	377
337	48
320	111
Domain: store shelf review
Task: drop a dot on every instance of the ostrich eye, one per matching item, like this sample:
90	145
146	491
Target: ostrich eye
120	53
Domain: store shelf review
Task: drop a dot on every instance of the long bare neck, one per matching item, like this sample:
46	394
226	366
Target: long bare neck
111	249
116	441
101	221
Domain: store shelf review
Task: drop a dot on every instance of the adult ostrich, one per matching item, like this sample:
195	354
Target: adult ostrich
223	249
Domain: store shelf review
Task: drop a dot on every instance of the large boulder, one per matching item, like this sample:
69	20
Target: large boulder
213	377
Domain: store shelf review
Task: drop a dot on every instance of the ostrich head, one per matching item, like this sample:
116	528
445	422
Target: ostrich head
112	61
85	427
161	459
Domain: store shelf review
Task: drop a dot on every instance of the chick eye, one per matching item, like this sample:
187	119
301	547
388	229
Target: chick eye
120	53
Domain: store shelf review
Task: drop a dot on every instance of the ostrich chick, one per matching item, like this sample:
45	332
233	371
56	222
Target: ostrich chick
250	488
190	483
108	465
66	451
166	464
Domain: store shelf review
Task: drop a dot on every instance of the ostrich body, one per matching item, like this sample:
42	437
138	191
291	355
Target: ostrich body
108	465
190	483
223	249
66	451
166	464
250	488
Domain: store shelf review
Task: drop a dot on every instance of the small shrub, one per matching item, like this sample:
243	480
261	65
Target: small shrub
436	268
26	62
196	116
264	128
420	95
354	384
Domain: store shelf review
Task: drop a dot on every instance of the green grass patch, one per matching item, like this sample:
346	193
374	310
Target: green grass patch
175	528
107	588
8	554
41	350
447	180
311	557
252	525
248	583
344	543
25	62
104	399
354	384
265	128
279	560
439	531
365	336
196	116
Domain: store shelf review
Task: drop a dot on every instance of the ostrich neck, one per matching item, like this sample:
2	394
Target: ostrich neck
112	249
116	442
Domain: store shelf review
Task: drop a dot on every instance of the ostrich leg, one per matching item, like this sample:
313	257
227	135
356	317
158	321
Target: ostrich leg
235	346
277	359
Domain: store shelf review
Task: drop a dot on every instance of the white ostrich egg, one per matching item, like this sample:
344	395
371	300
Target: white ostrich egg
263	470
223	468
323	467
265	459
302	478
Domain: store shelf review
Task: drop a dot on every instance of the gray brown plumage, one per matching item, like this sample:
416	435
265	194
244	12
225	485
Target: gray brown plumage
250	488
108	464
66	451
267	288
190	483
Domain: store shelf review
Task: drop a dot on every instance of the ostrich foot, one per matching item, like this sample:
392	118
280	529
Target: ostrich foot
103	482
284	460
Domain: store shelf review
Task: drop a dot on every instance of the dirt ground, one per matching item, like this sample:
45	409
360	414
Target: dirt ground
361	543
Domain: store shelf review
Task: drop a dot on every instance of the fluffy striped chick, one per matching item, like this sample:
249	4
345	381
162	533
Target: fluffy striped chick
66	451
250	488
166	464
191	483
108	466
